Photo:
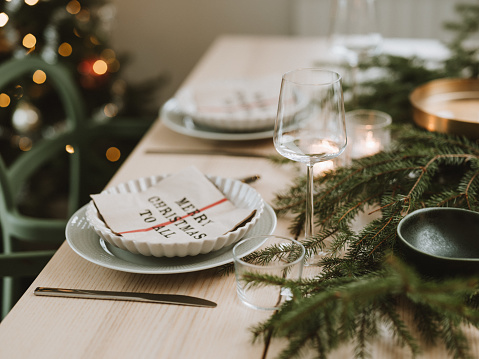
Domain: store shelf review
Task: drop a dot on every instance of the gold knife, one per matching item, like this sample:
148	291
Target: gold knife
139	297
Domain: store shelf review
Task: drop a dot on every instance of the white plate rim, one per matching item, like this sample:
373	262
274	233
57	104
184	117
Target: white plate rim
176	122
78	223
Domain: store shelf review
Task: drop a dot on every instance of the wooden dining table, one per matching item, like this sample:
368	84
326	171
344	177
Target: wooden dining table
52	327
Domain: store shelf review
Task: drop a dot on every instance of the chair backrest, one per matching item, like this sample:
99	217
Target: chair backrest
16	226
13	177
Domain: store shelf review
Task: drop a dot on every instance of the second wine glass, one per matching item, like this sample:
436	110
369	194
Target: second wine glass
310	124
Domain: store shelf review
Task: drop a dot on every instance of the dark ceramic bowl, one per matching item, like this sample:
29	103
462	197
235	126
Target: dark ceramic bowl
441	241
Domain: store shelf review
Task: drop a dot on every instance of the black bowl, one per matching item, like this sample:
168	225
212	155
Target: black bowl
441	241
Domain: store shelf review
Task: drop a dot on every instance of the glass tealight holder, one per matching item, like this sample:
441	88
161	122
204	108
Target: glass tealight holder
287	264
368	133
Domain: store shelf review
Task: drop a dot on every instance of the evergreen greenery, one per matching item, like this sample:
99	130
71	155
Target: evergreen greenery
365	286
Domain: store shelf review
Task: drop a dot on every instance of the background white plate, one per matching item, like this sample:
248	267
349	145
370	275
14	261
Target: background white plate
180	123
85	242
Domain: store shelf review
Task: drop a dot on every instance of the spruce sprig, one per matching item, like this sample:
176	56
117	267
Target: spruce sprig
353	310
363	283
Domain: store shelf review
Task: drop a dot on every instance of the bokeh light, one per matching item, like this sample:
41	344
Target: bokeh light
3	19
94	40
113	154
108	54
73	7
29	41
4	100
100	67
39	77
65	49
25	144
110	110
31	2
83	15
69	149
114	66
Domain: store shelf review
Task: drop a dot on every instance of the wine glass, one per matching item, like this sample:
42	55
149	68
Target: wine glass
354	33
310	125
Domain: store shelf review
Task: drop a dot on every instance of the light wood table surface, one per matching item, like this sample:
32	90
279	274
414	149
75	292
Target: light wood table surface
48	327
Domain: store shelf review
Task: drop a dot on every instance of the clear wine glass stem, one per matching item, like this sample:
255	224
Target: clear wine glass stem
308	230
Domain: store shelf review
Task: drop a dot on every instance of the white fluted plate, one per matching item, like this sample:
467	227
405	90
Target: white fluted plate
86	243
240	194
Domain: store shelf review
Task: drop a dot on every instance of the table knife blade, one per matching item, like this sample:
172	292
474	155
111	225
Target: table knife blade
177	299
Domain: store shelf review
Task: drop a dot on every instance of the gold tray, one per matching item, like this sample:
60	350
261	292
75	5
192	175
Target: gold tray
448	106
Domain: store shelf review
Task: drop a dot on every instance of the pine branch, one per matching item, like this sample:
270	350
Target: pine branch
363	284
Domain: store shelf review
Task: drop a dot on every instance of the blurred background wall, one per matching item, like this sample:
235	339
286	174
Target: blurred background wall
169	36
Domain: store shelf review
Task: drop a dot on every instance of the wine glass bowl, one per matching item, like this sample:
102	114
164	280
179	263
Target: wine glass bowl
354	31
310	124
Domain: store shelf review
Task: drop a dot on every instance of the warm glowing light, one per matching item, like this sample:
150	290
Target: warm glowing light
100	67
366	146
39	77
113	154
3	19
65	49
25	144
108	54
94	40
83	15
110	110
73	7
31	2
114	66
69	149
29	41
372	145
4	100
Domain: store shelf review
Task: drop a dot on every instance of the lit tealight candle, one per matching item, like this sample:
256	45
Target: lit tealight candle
368	132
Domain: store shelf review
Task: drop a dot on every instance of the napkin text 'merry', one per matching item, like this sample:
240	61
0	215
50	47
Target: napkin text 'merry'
179	221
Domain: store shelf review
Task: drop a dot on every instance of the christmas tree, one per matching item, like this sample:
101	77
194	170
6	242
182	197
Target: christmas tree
74	34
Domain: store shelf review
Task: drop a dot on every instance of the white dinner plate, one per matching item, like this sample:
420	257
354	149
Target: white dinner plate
180	123
85	242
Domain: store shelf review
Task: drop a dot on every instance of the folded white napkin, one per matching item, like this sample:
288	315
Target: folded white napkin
181	207
248	98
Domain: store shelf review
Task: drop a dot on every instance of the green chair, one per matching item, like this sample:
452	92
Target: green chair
78	133
15	226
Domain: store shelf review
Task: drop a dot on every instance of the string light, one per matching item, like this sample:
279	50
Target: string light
73	7
108	54
113	154
100	67
110	110
110	58
94	40
3	19
25	144
29	41
83	15
39	77
65	49
4	100
69	149
114	66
